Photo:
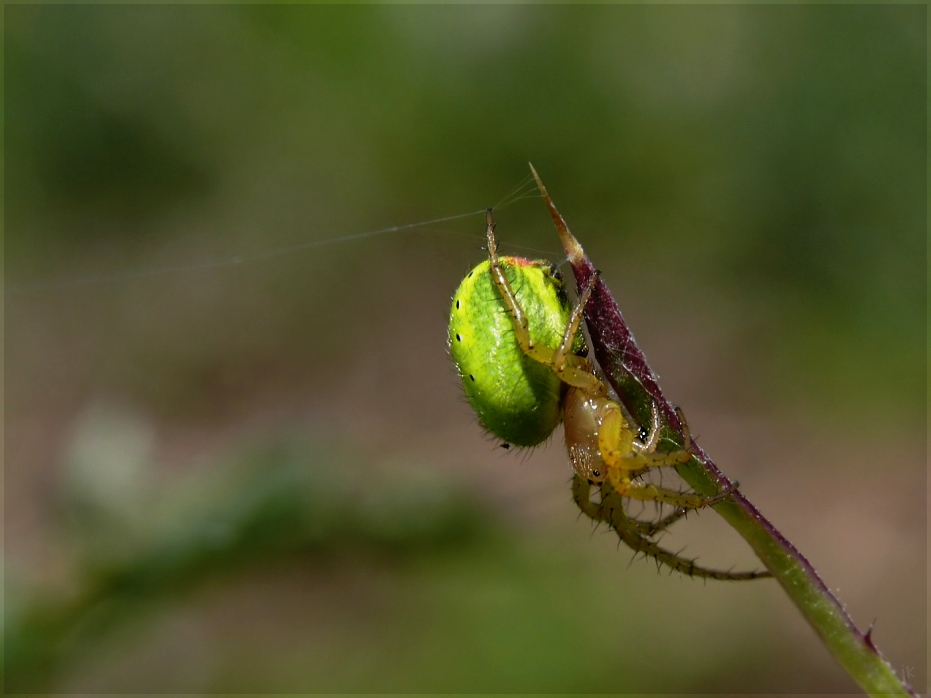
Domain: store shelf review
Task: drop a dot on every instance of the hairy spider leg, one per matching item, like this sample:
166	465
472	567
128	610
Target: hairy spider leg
625	462
596	512
571	369
611	511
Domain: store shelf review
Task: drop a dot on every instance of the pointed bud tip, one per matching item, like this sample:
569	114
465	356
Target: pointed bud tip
570	244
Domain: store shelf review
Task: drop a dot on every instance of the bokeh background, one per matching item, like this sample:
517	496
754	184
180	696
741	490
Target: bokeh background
262	476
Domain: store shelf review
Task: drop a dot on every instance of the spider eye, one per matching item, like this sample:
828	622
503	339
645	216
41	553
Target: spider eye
596	473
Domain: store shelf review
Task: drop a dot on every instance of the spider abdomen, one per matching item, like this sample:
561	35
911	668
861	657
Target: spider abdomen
516	398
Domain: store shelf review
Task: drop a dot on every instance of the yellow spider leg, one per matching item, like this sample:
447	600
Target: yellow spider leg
571	369
580	494
614	442
575	320
651	528
620	522
611	512
649	492
643	461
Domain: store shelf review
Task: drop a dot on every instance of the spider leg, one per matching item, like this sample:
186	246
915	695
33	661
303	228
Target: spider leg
658	460
649	492
575	321
672	458
634	533
571	369
581	495
581	491
624	467
611	511
651	528
622	481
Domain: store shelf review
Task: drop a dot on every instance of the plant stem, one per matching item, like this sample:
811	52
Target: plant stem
626	368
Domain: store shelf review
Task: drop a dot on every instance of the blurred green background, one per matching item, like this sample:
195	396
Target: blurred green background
262	477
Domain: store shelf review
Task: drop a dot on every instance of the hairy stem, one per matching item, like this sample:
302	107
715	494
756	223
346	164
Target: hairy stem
626	368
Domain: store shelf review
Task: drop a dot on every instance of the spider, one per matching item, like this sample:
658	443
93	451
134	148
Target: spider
519	350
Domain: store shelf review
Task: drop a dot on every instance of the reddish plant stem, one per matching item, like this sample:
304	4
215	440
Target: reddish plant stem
626	368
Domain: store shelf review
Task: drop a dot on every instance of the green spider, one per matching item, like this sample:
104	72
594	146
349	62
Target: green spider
518	348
